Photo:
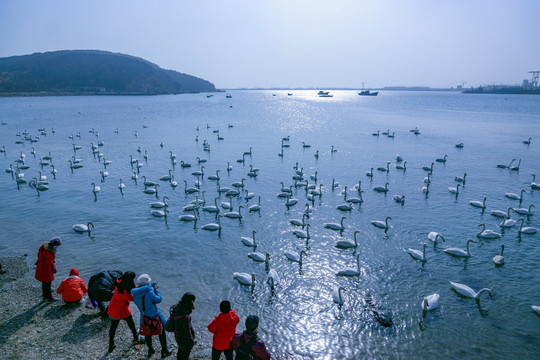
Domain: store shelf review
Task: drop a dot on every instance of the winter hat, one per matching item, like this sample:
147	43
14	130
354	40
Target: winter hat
55	241
143	279
252	322
74	272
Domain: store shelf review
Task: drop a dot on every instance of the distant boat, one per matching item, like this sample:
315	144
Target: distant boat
324	94
209	96
289	94
368	93
228	96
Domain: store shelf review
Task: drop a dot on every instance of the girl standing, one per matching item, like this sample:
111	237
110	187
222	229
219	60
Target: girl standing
46	267
183	331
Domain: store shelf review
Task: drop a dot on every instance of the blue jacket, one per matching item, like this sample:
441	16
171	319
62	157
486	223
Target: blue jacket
151	298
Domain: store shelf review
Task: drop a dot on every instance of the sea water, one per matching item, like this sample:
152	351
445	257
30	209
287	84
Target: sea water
298	319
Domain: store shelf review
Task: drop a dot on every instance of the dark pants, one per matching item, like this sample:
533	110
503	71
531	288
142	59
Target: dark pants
162	341
46	289
114	325
217	353
183	355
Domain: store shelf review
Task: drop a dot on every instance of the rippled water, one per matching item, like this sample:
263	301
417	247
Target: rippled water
300	319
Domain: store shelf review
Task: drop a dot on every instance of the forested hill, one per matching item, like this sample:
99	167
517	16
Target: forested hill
92	72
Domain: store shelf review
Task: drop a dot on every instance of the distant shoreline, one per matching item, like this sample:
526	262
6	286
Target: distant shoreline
67	93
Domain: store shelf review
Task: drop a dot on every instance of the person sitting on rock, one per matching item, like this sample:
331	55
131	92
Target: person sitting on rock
72	288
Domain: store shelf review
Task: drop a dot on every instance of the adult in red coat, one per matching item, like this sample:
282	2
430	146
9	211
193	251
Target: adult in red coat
119	307
72	288
46	267
223	326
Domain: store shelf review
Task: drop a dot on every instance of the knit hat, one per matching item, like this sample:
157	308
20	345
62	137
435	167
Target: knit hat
74	272
143	279
55	241
252	322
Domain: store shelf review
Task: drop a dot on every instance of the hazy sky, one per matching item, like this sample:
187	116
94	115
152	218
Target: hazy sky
294	43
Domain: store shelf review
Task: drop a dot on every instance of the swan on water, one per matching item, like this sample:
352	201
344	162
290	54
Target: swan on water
349	271
499	259
417	254
80	228
402	167
381	188
160	213
536	309
249	241
297	222
454	190
460	252
190	189
95	188
430	302
337	297
370	173
526	230
443	160
212	208
523	211
382	224
501	166
166	177
507	223
336	226
479	204
515	196
516	168
234	214
245	279
160	204
527	142
189	217
385	169
501	214
399	199
468	292
434	236
273	279
213	226
255	207
214	177
461	179
534	185
346	243
428	168
259	256
301	233
487	234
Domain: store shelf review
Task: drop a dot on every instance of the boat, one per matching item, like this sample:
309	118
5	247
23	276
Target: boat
324	94
368	93
209	96
228	96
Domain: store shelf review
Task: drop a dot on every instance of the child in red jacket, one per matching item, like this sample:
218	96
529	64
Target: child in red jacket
72	288
223	327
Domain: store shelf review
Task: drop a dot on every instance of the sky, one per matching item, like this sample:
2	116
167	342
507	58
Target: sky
294	43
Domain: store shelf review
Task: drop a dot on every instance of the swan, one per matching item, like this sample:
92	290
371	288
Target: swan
402	167
199	172
80	228
259	256
348	271
382	224
234	214
303	234
443	160
501	214
121	185
248	152
106	162
399	199
428	168
199	160
336	226
229	167
487	234
515	196
160	204
430	302
212	208
381	188
134	176
357	200
534	185
314	177
74	166
239	184
506	166
427	180
273	279
148	182
434	236
523	211
227	205
95	188
386	169
468	292
454	190
190	189
189	217
304	145
507	223
345	244
295	257
213	226
316	192
160	213
479	204
386	132
377	133
526	230
461	179
460	145
255	207
53	171
184	164
516	168
166	177
417	254
297	222
214	177
337	296
499	259
458	251
527	142
345	207
245	279
370	173
316	154
249	241
536	309
151	190
291	201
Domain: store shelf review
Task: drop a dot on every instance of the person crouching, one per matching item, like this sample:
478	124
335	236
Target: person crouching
72	288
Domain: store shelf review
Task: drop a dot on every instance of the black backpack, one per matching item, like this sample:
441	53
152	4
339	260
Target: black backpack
244	351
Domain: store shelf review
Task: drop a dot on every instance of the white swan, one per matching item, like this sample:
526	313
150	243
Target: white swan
303	234
291	201
295	257
345	207
527	142
454	190
430	302
166	177
500	166
213	226
507	223
259	256
417	254
468	292
160	213
515	196
487	234
151	190
346	243
499	259
526	230
255	207
245	279
189	217
433	236
534	185
336	226
382	224
399	199
402	167
370	173
273	279
297	222
501	214
460	252
95	188
516	168
234	214
214	177
385	169
536	309
80	228
190	189
148	182
479	204
381	188
523	211
443	160
199	172
160	204
212	208
349	271
249	241
337	296
461	179
428	168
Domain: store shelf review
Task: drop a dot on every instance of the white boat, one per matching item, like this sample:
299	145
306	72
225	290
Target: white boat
324	94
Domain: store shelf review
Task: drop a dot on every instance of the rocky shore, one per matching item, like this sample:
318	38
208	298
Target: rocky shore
31	328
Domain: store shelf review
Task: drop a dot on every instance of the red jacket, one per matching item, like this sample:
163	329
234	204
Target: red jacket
119	305
223	327
46	268
72	289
